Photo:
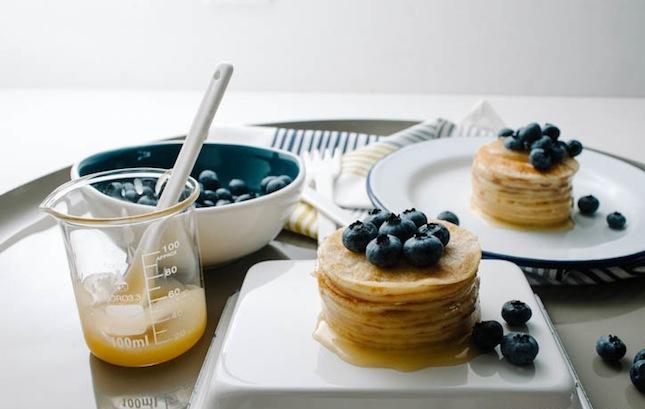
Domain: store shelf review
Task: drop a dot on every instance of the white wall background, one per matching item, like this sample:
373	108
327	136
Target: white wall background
548	47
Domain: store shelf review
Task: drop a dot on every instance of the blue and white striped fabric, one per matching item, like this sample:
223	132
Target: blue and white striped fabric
362	150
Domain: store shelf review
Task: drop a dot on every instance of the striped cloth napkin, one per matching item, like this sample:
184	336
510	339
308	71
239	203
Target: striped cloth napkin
361	151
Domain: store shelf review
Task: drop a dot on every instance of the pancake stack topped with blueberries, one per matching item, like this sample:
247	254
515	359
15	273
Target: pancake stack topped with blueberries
398	285
524	177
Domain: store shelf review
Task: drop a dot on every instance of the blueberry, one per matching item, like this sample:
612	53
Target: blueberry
210	195
147	200
147	191
209	179
449	217
208	203
487	335
275	185
616	221
438	230
396	226
640	355
265	182
384	251
130	195
244	197
505	132
574	148
540	159
222	202
637	374
223	193
610	348
357	235
285	178
558	151
415	216
422	250
543	143
516	312
530	133
114	189
588	205
519	348
185	193
237	187
551	131
377	217
514	144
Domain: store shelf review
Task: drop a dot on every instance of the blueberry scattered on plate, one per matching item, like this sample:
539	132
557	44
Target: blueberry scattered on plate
637	374
588	205
519	348
610	348
384	251
616	221
640	355
449	217
487	334
357	235
516	312
422	250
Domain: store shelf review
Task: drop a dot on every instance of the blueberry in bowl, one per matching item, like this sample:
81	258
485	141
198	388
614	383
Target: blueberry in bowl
229	227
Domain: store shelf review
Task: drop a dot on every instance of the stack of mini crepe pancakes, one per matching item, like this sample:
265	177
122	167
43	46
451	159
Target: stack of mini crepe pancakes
403	307
507	188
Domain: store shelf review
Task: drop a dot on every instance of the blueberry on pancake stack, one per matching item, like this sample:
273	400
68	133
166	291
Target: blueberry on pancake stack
403	283
524	178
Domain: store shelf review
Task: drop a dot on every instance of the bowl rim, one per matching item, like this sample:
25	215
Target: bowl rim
293	186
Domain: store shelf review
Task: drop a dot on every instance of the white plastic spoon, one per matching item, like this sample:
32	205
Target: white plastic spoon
183	166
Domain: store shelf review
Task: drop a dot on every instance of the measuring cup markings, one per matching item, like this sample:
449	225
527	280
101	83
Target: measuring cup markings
138	307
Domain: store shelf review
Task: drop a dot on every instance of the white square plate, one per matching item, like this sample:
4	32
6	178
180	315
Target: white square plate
269	359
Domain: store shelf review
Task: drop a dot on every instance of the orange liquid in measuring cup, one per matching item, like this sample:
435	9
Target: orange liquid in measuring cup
130	332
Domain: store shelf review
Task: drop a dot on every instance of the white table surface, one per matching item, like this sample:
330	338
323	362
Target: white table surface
46	129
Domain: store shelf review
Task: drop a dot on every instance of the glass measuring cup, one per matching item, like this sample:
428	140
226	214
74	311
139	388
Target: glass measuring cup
135	269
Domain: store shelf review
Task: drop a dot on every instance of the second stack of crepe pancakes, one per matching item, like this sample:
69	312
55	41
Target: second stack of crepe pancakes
402	307
507	188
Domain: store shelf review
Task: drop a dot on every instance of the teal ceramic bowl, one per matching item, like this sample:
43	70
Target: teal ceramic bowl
225	232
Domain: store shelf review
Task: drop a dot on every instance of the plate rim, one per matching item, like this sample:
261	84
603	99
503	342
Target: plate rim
523	261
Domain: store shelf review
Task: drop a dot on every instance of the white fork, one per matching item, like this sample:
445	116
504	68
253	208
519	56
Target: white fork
324	168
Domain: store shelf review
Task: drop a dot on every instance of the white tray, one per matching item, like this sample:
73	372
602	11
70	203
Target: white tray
268	358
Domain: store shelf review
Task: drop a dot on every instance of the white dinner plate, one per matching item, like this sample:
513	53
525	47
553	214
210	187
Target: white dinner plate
434	176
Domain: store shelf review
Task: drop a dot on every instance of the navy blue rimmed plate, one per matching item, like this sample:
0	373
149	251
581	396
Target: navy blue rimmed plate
434	176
